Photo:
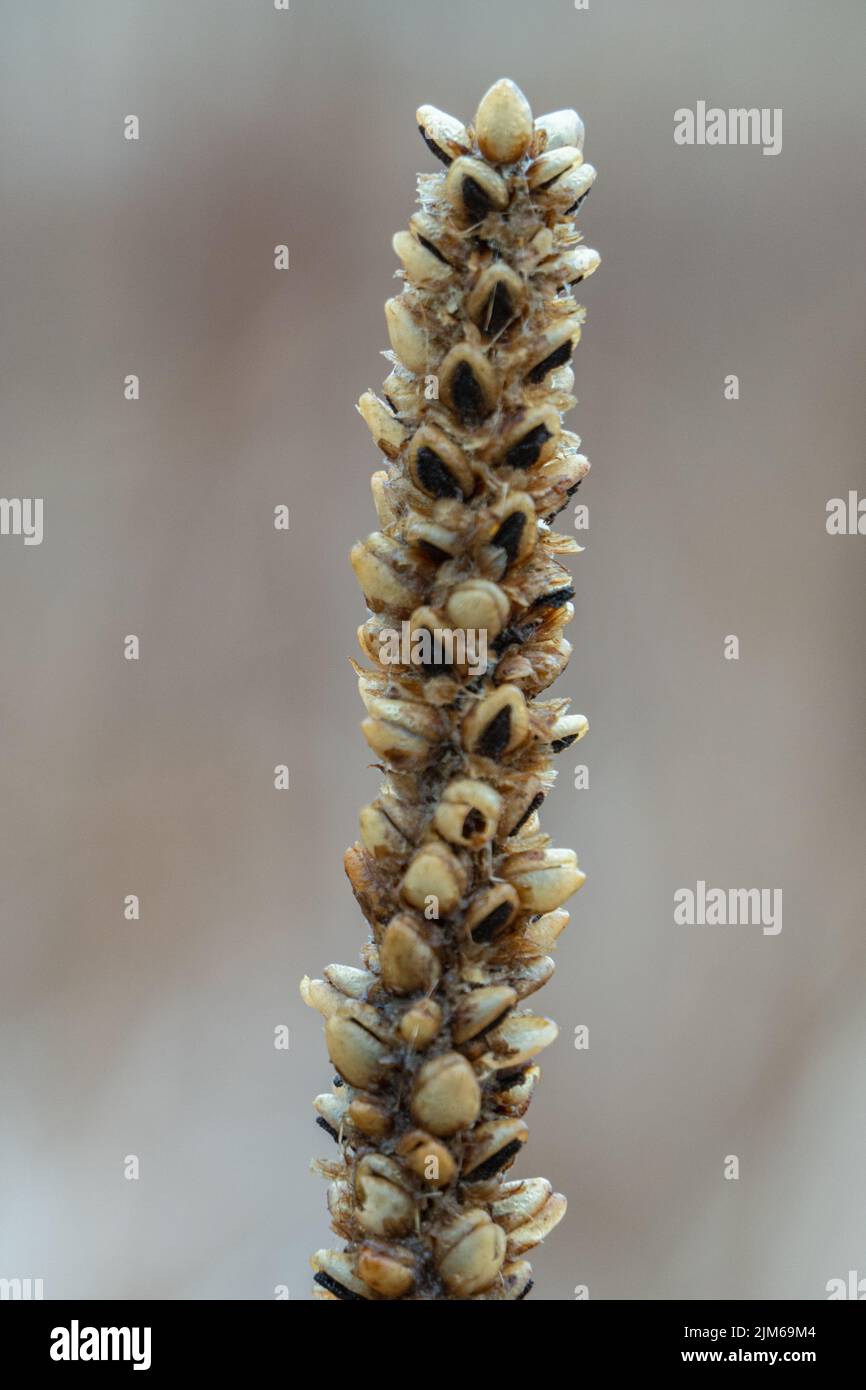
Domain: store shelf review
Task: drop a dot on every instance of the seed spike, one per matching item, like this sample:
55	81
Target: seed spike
434	1049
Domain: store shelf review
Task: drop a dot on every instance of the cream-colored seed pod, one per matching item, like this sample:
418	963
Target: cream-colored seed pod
475	190
421	1024
427	1158
478	604
544	878
503	123
558	128
470	1252
409	964
481	1009
358	1045
388	434
422	266
408	335
446	1097
389	1270
468	813
497	724
435	880
384	1206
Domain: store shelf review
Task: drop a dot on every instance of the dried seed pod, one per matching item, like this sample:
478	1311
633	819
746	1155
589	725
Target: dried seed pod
550	166
334	1273
384	1207
497	297
421	1023
409	964
554	348
518	1039
408	335
481	1009
358	1044
516	531
437	466
558	128
491	912
468	813
474	190
446	1097
568	730
492	1148
497	724
453	873
388	1269
470	1250
503	123
467	384
544	878
427	1158
388	434
531	439
436	876
421	263
444	135
388	574
370	1116
478	604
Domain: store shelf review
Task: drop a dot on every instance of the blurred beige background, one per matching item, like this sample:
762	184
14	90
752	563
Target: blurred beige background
155	778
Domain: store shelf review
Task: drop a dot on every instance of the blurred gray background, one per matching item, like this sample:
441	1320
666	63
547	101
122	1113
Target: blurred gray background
155	1037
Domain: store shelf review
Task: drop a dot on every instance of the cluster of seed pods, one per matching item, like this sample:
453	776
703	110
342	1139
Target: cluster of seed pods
434	1048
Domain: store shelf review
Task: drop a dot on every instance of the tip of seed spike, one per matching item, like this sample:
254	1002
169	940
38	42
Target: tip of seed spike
503	123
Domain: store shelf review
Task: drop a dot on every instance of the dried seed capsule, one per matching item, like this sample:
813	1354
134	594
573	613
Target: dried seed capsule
493	1147
515	1280
349	980
403	732
468	813
481	1009
474	190
568	730
497	724
446	1097
335	1274
357	1043
388	574
497	297
531	439
409	964
421	1023
491	912
437	466
516	529
503	123
435	542
331	1112
530	975
545	931
379	834
434	873
384	1206
522	804
470	1250
580	263
444	135
408	336
480	605
427	1158
532	1231
558	128
383	499
514	1090
568	192
544	878
369	1116
554	348
389	1270
340	1201
467	384
520	1201
388	434
550	166
320	995
422	265
519	1038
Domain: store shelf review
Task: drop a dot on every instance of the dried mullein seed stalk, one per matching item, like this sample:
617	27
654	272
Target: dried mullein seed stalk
433	1046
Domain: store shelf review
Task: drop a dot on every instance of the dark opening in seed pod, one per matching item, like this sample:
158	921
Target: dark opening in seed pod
554	359
525	1291
495	1162
532	807
557	598
527	450
509	535
467	395
434	476
434	148
489	925
329	1129
338	1290
494	741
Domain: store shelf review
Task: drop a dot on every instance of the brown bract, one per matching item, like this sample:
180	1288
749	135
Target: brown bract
433	1049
